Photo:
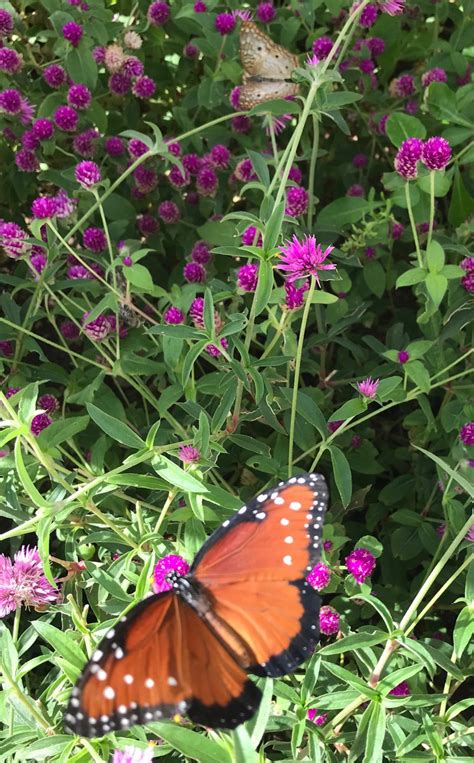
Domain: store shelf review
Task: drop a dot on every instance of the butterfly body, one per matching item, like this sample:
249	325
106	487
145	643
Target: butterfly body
244	607
267	67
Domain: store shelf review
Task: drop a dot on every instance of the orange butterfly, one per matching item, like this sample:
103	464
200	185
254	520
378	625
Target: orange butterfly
244	607
267	67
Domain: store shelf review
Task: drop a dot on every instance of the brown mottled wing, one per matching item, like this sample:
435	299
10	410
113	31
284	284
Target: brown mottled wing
162	659
253	93
261	57
255	566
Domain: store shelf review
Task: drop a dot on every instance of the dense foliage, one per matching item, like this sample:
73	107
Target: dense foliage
199	301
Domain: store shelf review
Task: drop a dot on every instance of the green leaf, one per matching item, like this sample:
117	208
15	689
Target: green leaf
435	257
349	409
441	101
59	431
25	479
140	278
342	474
208	312
418	373
307	409
81	67
191	744
383	611
374	276
353	642
260	166
177	477
243	746
178	332
401	126
264	286
106	581
436	286
397	676
464	629
411	277
190	359
45	749
375	734
351	679
462	203
62	643
115	428
441	183
387	386
273	227
225	404
345	211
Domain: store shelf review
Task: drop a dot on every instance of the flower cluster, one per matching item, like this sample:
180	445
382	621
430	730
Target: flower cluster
435	153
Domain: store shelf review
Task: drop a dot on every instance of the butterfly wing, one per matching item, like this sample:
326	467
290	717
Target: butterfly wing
255	566
160	660
261	57
252	93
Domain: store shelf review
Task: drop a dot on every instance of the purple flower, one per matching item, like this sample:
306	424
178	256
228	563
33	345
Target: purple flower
467	281
133	67
370	252
6	348
172	563
297	200
214	351
366	66
360	160
6	23
174	316
169	212
85	143
69	330
294	297
368	17
133	754
44	207
234	97
54	75
72	32
300	259
244	171
327	545
26	161
411	107
119	84
200	7
392	7
65	206
23	582
322	47
295	174
247	277
241	124
146	178
397	230
40	422
144	87
158	13
329	620
252	237
96	329
319	576
220	156
407	157
207	182
177	178
360	563
356	441
98	54
79	96
368	387
403	86
11	62
114	146
66	118
401	690
193	272
94	239
38	262
265	12
43	129
376	45
87	174
188	454
224	23
436	153
201	253
433	75
174	147
403	356
48	403
314	716
10	101
192	163
467	433
147	225
355	190
12	239
136	148
470	532
191	50
11	391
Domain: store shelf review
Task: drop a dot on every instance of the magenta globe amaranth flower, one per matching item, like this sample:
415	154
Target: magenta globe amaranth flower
219	156
114	146
66	118
403	356
397	230
322	47
133	755
356	190
407	157
43	129
265	12
54	75
368	387
169	212
10	101
12	239
316	717
144	87
87	174
201	253
247	277
214	351
329	620
193	272
360	160
188	454
360	563
436	153
48	403
73	32
319	576
252	237
6	348
44	207
39	422
26	161
207	182
300	259
294	297
173	316
172	563
400	690
368	17
158	13
79	96
224	23
23	582
94	239
11	62
403	86
177	178
467	433
6	23
96	329
297	201
433	75
200	7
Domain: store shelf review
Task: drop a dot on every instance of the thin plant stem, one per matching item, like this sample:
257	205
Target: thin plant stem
413	225
299	354
432	208
312	171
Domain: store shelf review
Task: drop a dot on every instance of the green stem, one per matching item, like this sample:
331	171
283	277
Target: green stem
299	354
28	704
413	225
312	171
432	208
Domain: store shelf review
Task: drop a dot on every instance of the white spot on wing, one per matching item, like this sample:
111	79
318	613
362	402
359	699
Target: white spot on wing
295	505
109	692
262	497
288	539
260	515
284	521
128	678
172	681
279	500
101	675
288	560
149	683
